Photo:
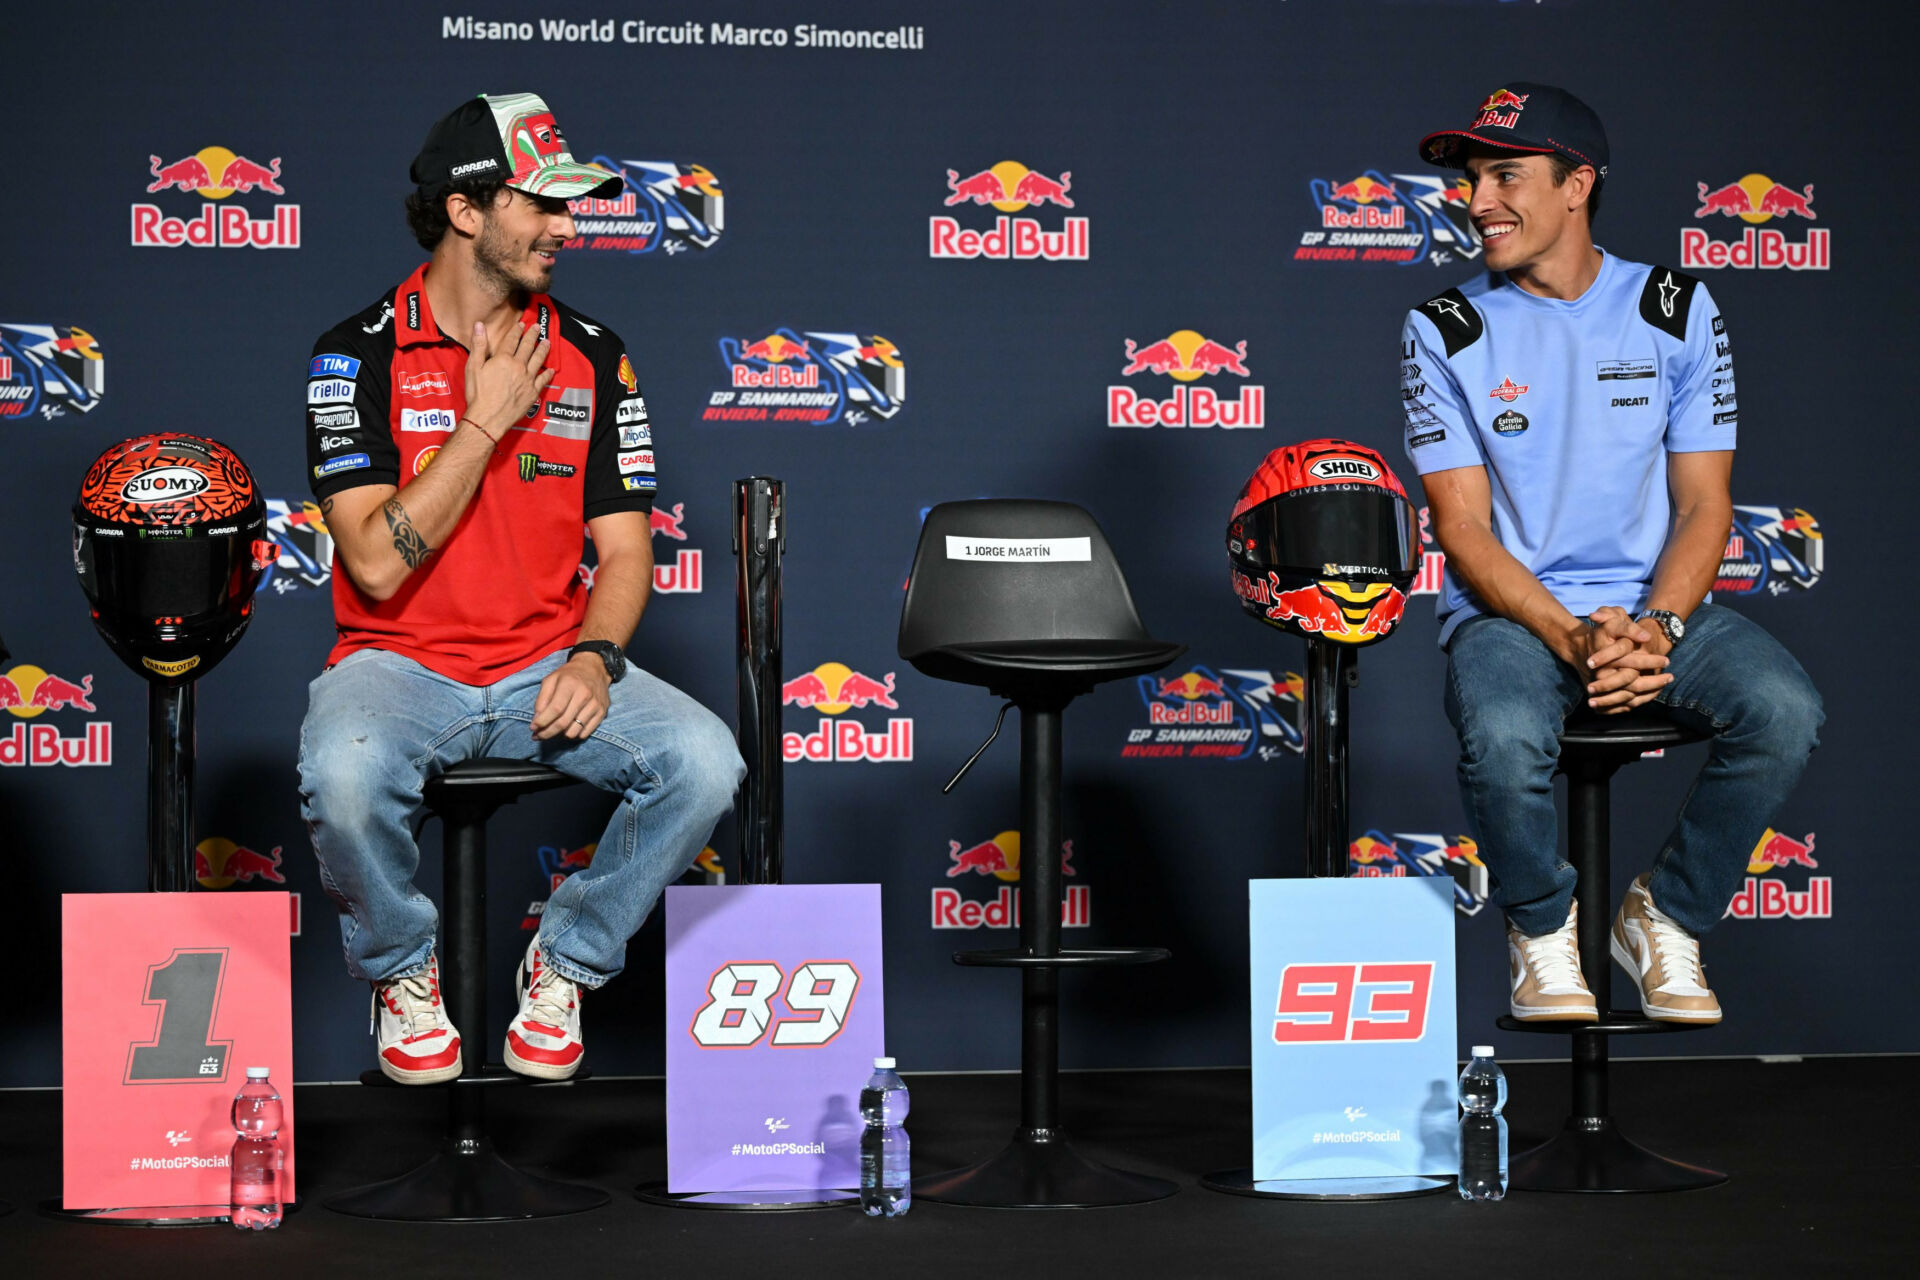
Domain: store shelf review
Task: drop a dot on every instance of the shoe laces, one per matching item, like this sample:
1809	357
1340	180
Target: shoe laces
414	999
551	996
1679	950
1554	959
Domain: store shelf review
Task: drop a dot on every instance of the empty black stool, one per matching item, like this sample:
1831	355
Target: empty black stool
467	1181
1025	598
1591	1154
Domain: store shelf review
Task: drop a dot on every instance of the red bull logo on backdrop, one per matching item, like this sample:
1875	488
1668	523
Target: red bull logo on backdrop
1229	714
219	863
811	378
831	690
1433	562
1770	896
214	174
1187	356
664	206
997	860
685	576
48	369
1009	187
1755	200
1402	853
1379	219
28	693
1771	551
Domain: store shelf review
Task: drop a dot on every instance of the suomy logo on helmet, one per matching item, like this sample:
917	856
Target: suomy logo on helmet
162	484
1343	469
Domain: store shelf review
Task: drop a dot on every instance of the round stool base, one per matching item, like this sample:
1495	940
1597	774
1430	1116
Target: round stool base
467	1182
745	1201
1598	1157
1239	1182
1040	1173
170	1215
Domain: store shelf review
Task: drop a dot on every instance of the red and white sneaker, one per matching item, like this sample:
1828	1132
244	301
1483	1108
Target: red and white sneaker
543	1040
415	1039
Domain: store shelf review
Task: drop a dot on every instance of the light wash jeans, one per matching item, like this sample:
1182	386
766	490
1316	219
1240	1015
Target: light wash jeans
1508	696
380	725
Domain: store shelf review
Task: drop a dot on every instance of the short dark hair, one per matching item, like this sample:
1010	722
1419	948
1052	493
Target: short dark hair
1564	165
427	216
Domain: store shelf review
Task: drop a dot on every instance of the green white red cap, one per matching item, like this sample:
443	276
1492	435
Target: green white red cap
511	137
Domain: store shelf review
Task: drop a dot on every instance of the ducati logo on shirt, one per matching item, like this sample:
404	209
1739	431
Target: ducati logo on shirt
1507	391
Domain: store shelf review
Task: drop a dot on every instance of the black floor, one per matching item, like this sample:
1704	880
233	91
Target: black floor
1823	1156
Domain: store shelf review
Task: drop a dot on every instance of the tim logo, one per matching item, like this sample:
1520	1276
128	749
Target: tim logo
1353	1003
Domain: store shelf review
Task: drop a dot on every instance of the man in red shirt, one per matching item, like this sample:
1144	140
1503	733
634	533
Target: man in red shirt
460	430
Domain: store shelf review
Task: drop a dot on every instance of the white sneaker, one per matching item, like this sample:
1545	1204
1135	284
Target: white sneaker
1663	960
1547	983
543	1040
414	1037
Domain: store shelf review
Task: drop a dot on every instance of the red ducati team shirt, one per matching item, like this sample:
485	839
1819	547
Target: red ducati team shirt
384	391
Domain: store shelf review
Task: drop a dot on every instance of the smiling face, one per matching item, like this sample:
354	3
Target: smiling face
1522	216
519	238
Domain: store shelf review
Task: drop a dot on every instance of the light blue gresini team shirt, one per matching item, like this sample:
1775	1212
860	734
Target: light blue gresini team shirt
1572	408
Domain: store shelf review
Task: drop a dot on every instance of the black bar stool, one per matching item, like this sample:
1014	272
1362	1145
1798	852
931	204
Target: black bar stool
1591	1154
467	1181
1026	598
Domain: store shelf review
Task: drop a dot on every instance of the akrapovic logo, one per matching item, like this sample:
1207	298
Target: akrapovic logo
163	484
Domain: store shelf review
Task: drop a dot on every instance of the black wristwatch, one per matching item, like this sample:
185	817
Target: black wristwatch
1669	622
610	653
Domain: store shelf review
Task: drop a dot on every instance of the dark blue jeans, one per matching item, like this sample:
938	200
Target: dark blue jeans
1508	696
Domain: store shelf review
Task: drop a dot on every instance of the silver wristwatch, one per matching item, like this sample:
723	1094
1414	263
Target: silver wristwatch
1669	622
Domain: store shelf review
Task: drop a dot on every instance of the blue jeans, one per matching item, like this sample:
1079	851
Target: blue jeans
1508	696
380	725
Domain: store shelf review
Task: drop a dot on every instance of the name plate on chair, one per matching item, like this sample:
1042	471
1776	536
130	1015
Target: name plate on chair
1354	1073
1020	550
775	1013
166	999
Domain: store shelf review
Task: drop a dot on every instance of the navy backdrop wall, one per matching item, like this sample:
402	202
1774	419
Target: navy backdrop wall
1241	175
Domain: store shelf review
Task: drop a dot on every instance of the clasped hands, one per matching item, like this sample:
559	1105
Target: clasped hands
1625	660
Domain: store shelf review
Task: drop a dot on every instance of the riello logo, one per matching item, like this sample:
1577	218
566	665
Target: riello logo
1186	357
1009	187
215	173
1755	200
832	689
28	692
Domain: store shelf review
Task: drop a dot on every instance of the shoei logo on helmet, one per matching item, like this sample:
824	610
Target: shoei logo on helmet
162	484
1343	469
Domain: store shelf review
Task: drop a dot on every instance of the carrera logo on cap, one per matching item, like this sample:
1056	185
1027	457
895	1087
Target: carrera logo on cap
163	484
1343	469
473	166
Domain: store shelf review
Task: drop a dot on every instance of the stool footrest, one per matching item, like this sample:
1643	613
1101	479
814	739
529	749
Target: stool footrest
489	1073
1617	1022
1088	957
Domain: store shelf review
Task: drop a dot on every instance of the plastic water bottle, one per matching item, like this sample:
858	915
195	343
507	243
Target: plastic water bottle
257	1158
885	1152
1483	1130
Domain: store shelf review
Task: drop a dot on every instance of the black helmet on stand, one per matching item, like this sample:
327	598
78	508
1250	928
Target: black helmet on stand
170	540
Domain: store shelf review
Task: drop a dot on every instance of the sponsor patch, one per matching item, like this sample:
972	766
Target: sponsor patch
1426	437
333	367
347	462
638	460
1621	370
428	420
347	419
569	414
631	410
1725	419
640	483
1629	402
329	391
425	384
329	443
1510	423
635	436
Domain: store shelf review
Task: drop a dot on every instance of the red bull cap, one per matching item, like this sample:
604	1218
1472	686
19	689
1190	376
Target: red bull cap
510	137
1522	116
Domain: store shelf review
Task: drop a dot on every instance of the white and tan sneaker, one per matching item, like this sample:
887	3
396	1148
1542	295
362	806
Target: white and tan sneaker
414	1037
1547	983
543	1040
1663	960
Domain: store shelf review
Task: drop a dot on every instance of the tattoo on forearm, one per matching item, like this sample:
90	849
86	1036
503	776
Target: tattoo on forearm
406	539
326	506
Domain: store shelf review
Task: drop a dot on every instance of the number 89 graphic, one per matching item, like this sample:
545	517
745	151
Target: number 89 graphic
739	1008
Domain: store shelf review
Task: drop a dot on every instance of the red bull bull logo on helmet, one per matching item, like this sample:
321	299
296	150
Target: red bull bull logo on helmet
809	378
48	369
665	207
1186	356
1755	200
1383	219
1009	187
998	859
1226	714
832	689
1401	853
214	174
28	692
1766	896
1771	551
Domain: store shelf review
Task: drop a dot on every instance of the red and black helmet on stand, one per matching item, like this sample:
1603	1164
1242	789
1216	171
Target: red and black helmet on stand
169	540
1323	542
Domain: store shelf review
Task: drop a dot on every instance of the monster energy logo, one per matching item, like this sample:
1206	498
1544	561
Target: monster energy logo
532	465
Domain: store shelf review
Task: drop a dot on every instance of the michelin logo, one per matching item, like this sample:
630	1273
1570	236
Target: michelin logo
646	484
349	462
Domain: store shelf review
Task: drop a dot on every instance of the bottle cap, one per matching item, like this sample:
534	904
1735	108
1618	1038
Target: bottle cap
883	1064
1483	1051
256	1073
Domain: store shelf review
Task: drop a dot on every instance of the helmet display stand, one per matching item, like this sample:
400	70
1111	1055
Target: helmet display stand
169	541
1306	564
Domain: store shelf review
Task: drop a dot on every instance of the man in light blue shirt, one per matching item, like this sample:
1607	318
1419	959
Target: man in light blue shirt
1572	416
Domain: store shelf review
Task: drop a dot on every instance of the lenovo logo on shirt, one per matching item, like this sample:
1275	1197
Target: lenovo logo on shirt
569	414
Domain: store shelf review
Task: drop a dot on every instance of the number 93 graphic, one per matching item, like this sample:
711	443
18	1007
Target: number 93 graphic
739	1011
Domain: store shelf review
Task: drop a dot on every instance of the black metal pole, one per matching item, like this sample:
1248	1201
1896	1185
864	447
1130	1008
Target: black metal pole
170	789
1589	831
1040	915
464	974
759	538
1328	668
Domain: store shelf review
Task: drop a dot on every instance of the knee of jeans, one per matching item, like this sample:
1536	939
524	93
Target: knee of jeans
1508	737
1789	715
706	765
347	782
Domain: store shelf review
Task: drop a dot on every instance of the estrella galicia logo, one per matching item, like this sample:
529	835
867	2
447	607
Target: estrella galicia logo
812	378
675	206
1227	714
1773	550
47	369
1378	220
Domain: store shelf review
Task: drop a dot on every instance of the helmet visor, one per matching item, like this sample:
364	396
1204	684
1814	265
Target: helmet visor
1326	531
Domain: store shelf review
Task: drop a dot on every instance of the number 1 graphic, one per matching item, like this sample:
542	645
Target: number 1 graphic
187	987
